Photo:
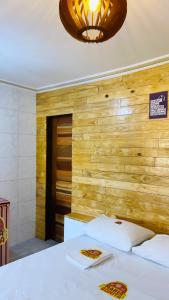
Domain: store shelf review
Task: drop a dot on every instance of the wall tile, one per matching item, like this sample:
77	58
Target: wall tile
17	159
8	169
26	212
27	123
8	145
13	234
9	190
8	97
13	214
27	167
27	190
27	101
27	145
25	231
8	121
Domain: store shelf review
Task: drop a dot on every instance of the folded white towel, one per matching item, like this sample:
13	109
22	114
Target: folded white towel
88	257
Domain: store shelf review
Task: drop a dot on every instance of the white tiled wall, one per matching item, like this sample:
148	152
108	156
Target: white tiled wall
17	159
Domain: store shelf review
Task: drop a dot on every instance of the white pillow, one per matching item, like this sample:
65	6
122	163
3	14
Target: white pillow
157	249
120	234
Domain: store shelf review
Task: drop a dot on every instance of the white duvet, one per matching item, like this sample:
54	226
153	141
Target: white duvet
48	275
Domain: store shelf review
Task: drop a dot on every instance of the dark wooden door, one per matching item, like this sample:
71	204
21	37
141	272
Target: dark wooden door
60	169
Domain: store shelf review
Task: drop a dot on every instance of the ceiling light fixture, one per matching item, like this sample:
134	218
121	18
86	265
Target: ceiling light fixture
92	20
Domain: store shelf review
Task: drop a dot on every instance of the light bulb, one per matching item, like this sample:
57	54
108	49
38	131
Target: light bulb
93	5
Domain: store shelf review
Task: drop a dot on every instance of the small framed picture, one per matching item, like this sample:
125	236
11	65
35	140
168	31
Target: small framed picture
158	105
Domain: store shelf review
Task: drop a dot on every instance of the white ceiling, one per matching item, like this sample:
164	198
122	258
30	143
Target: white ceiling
35	50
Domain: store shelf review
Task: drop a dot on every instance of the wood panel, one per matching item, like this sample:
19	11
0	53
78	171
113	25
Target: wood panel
120	157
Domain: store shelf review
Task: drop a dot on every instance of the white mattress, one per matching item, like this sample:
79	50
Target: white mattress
48	275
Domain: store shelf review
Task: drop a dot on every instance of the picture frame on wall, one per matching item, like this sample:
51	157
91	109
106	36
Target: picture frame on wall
158	105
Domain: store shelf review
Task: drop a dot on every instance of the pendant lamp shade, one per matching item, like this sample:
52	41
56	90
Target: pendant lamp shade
92	20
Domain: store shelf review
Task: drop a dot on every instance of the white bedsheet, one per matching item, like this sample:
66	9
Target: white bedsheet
48	275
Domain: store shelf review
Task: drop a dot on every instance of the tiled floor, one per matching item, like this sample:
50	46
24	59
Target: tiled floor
29	247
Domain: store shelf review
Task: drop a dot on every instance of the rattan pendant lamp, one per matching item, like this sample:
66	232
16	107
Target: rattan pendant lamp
92	20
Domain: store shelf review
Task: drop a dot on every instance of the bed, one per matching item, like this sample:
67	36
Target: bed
48	275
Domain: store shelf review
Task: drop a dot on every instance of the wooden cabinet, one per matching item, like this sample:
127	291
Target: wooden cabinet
4	235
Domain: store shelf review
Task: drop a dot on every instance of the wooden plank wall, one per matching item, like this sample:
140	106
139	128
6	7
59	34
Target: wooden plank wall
120	157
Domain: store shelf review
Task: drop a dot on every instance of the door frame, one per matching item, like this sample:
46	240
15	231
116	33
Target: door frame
49	216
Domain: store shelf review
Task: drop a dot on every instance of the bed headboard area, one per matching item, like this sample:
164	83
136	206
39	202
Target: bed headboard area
120	157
